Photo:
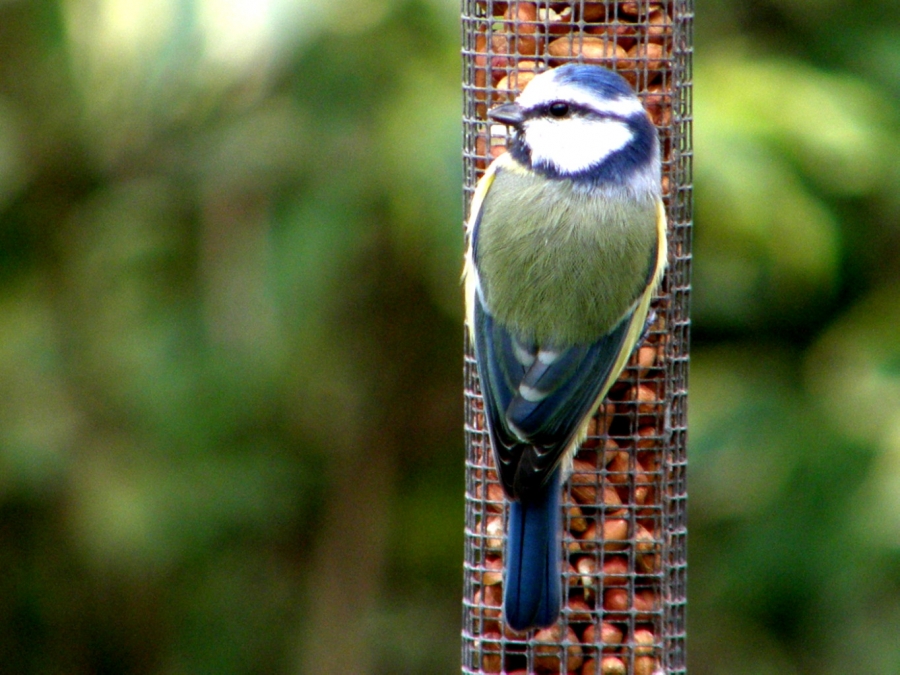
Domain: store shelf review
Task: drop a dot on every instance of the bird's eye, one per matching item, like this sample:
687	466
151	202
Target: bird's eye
559	109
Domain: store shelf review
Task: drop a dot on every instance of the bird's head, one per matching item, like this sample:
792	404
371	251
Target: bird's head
582	122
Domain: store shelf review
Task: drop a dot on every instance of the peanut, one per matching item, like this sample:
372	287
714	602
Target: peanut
558	21
594	11
591	49
524	23
645	665
650	52
658	103
489	600
516	80
599	424
583	483
578	610
649	563
636	8
490	596
585	489
494	497
610	635
491	659
617	471
610	450
571	575
493	531
547	652
493	572
575	520
660	26
611	535
622	34
645	602
644	641
587	568
648	400
646	357
615	571
615	600
643	488
648	453
481	151
612	665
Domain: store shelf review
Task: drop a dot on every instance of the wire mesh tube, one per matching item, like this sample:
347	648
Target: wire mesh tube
625	504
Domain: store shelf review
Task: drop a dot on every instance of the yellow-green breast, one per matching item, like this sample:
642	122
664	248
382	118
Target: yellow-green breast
561	264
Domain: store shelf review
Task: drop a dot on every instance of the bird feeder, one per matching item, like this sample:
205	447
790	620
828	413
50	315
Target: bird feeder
624	518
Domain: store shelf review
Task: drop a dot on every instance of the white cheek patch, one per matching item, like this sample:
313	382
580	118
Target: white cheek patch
574	144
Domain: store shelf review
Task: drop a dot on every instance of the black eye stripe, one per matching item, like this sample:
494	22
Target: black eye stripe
573	110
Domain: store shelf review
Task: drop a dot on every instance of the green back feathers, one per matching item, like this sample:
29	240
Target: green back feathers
530	224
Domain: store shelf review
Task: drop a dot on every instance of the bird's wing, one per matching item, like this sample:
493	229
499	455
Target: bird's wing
537	401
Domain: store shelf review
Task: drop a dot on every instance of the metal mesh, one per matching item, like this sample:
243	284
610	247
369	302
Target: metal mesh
625	522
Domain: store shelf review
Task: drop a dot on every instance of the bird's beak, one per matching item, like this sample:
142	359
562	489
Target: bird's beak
508	113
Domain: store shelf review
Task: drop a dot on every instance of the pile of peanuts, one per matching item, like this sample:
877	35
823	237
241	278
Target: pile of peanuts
613	614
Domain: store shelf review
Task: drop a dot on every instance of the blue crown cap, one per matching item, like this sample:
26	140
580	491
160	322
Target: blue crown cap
595	78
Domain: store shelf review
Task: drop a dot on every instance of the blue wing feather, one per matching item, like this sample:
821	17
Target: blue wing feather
570	385
500	375
530	436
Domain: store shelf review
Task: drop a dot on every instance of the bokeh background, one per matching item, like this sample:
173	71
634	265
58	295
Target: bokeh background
230	337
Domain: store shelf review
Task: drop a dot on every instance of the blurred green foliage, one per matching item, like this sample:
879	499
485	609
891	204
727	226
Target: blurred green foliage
794	406
230	334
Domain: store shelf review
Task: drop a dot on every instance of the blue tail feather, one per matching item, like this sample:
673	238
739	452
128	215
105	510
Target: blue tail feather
533	566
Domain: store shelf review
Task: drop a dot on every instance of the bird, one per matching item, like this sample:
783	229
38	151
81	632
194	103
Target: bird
566	245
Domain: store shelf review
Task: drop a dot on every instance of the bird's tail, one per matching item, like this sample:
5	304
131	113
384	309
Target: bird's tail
533	568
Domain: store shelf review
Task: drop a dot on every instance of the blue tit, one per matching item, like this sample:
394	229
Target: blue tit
566	245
